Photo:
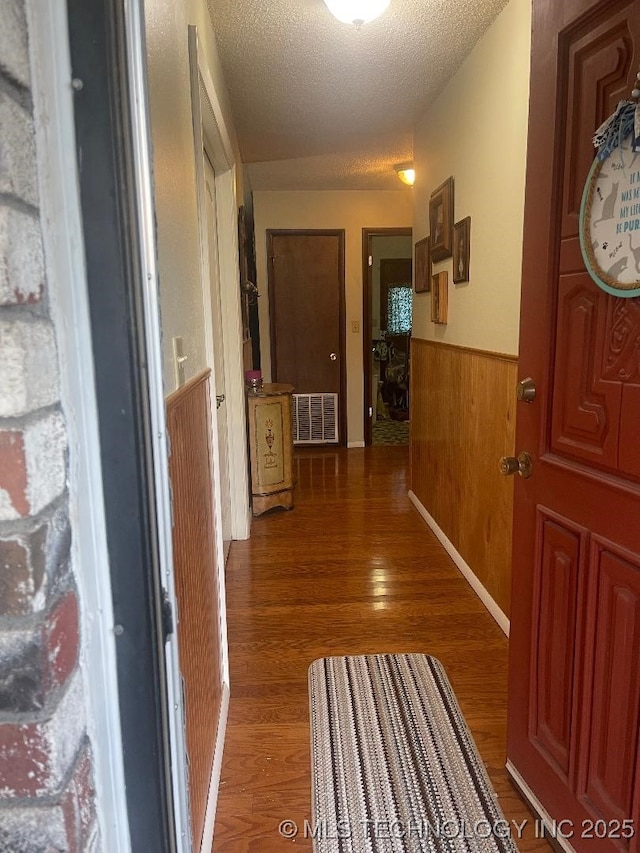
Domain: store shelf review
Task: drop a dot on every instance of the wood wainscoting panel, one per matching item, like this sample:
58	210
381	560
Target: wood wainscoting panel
463	407
196	576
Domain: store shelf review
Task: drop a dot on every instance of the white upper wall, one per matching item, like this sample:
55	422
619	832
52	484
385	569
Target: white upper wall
352	210
181	294
477	131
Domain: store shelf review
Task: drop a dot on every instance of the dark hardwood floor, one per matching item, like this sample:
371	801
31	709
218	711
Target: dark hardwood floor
352	569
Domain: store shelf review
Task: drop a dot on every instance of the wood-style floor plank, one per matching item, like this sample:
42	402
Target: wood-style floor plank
352	569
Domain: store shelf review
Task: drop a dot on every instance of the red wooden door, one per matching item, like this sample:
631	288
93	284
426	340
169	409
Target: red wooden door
575	630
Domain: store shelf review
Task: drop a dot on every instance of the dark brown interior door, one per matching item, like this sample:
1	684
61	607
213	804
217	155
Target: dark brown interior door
306	303
575	629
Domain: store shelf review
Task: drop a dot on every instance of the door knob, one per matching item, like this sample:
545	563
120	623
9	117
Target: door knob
333	356
522	465
526	390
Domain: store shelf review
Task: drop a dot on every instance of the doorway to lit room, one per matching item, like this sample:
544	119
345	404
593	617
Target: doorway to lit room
388	304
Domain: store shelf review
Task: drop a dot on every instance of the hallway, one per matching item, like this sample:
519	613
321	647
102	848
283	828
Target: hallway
352	570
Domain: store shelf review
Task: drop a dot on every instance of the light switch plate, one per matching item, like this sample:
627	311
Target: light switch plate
179	359
355	326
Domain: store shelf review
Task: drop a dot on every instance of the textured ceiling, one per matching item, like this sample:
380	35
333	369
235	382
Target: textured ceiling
320	104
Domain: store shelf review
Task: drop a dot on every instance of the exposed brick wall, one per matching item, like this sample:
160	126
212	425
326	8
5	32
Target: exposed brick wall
47	799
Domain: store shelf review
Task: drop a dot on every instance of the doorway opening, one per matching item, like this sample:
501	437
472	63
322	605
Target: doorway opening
387	311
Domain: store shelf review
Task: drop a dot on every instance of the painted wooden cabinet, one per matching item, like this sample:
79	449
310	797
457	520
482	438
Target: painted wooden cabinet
270	447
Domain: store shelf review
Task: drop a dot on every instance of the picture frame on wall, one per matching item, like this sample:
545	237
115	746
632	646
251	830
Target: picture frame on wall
439	297
461	250
422	263
441	221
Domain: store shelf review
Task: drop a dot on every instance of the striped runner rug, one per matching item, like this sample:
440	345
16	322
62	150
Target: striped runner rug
394	766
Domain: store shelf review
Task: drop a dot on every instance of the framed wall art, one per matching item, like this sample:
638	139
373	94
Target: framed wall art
441	221
439	297
461	250
422	264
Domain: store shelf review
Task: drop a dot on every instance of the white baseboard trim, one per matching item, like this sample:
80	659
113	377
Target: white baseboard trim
556	839
465	569
214	784
352	444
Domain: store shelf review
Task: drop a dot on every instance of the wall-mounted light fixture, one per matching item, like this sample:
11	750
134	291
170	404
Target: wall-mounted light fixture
356	12
406	173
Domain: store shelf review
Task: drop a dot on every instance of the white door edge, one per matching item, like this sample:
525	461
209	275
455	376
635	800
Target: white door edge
198	150
233	362
144	193
214	328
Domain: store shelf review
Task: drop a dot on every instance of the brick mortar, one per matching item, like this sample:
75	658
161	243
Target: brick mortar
24	526
16	203
26	312
47	744
27	718
15	90
9	624
51	799
29	419
18	175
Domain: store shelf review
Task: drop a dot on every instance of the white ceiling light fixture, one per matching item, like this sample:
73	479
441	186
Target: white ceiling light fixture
357	12
406	173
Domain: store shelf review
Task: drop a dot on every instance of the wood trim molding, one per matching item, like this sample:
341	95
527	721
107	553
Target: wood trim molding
503	356
216	772
176	396
556	840
485	597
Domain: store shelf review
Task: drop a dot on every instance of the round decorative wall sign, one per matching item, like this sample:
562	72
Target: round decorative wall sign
610	211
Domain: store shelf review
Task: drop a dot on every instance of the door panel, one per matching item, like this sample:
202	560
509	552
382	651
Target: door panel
560	549
586	407
599	61
306	302
613	681
597	55
574	684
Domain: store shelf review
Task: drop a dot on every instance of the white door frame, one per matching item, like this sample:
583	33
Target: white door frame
214	337
62	228
61	222
211	135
